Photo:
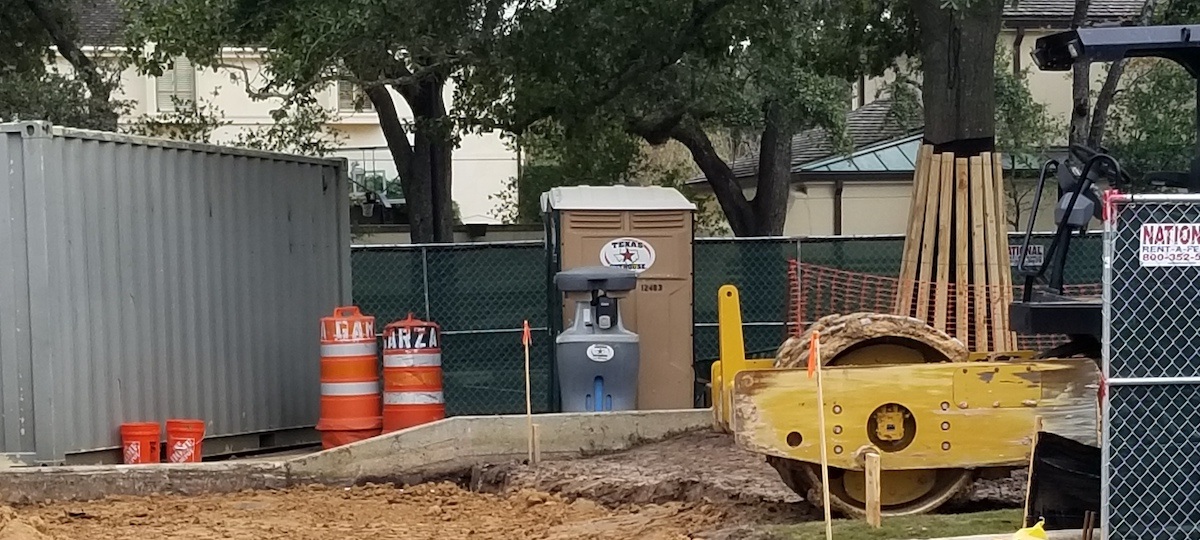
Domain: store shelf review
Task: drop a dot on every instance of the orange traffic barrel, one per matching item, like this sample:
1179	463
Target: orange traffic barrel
139	442
183	440
350	400
412	374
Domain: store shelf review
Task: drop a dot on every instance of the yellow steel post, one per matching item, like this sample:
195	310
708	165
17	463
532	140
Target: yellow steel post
732	346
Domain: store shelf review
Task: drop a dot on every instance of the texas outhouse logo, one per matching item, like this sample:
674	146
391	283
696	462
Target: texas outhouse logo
628	253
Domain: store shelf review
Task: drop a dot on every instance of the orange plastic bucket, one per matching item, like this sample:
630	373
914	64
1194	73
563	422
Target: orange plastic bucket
183	440
139	442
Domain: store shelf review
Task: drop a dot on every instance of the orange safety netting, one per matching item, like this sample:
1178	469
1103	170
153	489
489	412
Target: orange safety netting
966	313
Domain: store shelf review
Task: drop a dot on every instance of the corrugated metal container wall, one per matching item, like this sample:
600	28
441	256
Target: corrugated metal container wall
142	280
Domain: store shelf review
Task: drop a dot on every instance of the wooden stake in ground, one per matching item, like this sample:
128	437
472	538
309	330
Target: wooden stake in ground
814	365
526	340
874	489
537	443
1033	442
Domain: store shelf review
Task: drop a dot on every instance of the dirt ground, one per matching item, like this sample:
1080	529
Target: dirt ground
701	467
427	511
685	487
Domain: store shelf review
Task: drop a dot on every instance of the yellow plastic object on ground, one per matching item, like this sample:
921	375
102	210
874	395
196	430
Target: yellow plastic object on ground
1031	533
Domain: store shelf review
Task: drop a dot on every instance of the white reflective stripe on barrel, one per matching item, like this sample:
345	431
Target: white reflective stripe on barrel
412	398
349	388
348	349
403	360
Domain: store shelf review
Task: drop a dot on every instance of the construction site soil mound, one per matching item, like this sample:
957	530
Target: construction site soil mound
14	526
703	467
698	467
695	485
426	511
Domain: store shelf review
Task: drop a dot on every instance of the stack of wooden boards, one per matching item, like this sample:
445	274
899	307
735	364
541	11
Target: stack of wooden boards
955	274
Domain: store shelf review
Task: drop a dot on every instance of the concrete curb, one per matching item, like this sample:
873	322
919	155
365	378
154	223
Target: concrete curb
444	446
482	439
89	482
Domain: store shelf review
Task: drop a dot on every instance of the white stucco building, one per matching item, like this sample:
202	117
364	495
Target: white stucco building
481	164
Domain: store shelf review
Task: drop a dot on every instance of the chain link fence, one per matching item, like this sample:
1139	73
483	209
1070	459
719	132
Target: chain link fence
479	293
1152	369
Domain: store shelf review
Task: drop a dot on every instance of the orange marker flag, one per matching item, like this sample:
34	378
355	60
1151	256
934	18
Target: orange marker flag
526	339
814	353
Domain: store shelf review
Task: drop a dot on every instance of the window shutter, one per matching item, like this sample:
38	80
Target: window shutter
178	80
185	79
348	93
345	96
164	86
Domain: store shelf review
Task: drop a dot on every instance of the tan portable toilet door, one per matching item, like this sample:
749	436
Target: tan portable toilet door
648	230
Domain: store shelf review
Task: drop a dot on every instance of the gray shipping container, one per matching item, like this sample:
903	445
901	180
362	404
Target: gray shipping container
142	280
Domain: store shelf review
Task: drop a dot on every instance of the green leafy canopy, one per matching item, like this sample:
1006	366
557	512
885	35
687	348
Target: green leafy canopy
681	70
649	63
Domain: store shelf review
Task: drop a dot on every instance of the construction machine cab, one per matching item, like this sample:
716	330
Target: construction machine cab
1044	308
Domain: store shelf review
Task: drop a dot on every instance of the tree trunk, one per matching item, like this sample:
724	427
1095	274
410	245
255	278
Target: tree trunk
774	174
441	152
720	177
767	213
432	155
958	52
424	165
1095	134
414	171
1081	74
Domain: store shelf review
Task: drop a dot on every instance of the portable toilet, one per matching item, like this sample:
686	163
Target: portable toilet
647	229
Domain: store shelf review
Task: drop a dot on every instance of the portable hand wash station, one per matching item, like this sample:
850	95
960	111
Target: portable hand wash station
597	357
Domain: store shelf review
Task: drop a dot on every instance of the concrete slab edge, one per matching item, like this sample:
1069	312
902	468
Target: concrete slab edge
89	482
467	438
456	442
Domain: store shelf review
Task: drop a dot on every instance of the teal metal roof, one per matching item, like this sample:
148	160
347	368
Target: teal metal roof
896	155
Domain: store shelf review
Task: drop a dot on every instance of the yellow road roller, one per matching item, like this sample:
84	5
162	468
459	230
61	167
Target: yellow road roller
937	415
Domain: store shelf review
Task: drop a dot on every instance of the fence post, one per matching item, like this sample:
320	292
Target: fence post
425	279
1152	380
800	307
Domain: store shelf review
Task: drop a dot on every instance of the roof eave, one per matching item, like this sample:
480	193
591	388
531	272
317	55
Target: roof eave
1059	22
798	168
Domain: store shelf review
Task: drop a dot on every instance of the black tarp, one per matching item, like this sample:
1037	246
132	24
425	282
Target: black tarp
1065	483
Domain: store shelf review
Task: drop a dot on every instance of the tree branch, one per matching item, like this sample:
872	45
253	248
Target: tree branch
729	194
393	130
684	38
1109	90
97	87
1095	135
656	129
